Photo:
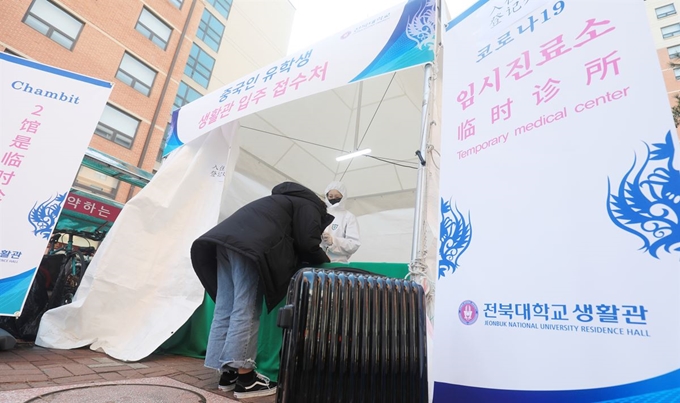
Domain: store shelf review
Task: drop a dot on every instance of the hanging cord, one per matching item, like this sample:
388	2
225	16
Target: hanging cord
377	109
382	159
371	121
417	271
293	138
431	150
390	162
396	160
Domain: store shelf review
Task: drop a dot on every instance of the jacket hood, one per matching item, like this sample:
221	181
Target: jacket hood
343	191
296	190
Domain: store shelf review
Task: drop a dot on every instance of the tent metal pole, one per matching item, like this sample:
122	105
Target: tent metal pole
417	244
356	130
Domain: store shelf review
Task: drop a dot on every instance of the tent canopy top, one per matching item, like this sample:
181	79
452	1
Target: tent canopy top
302	138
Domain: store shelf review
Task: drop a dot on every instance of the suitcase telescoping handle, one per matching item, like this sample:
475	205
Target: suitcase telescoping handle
284	319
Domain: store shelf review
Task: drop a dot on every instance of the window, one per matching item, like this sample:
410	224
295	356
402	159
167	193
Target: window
677	73
136	74
665	11
210	30
222	6
199	66
674	52
117	126
96	182
671	30
153	28
53	22
177	3
185	94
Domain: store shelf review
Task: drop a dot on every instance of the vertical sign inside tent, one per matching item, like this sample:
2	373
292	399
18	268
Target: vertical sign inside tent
47	117
559	271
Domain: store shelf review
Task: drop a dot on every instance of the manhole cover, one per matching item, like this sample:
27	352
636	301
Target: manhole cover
125	393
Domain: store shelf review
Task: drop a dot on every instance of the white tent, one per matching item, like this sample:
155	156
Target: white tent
391	104
324	124
142	273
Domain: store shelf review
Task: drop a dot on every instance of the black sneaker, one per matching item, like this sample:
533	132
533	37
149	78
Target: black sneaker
228	381
254	385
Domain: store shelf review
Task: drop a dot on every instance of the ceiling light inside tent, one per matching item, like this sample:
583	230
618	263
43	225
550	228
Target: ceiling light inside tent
354	154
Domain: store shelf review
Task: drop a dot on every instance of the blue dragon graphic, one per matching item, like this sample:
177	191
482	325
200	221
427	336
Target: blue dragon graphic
43	216
421	27
647	202
455	234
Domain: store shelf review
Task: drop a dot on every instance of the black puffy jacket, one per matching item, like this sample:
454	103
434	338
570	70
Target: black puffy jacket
280	233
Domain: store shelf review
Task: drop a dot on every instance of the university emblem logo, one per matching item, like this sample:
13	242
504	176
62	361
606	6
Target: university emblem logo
468	312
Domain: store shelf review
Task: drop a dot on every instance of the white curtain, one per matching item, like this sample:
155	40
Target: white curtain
140	287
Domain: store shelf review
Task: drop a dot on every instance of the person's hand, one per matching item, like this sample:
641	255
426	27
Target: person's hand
328	238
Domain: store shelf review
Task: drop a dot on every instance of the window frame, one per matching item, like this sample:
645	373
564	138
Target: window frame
89	188
229	3
184	97
152	33
115	132
674	55
209	29
135	79
197	62
666	14
51	28
181	3
674	33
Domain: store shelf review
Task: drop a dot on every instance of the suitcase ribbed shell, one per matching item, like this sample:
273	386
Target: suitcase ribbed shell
353	338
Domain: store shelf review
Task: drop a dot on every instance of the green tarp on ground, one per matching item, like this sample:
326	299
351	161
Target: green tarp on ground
192	338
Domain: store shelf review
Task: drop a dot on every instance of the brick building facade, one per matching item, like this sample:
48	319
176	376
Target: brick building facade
160	54
665	24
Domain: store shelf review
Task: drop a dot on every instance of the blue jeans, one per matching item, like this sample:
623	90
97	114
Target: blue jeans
233	334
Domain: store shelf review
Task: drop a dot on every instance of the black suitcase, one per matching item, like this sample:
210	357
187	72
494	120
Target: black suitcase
352	338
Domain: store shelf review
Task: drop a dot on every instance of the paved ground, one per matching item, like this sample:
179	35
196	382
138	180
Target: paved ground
46	371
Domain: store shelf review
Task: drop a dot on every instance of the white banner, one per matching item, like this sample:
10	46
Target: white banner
398	38
47	117
559	278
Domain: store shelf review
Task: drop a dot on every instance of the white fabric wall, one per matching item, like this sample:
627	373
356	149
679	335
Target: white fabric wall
385	236
140	287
